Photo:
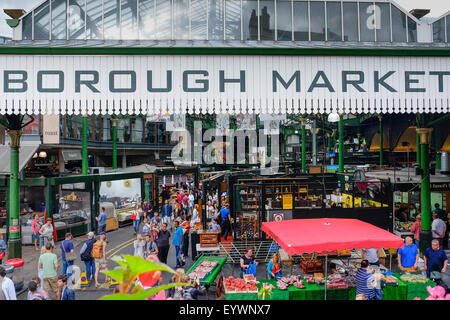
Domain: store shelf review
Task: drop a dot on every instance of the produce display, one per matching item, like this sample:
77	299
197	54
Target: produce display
315	279
203	269
413	278
249	277
293	280
336	281
237	285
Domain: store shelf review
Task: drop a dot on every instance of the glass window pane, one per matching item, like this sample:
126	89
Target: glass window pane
317	21
138	130
383	22
301	24
284	20
334	21
59	20
398	25
147	24
181	19
350	21
94	28
367	21
250	19
412	30
111	20
27	27
106	136
42	22
267	20
198	19
439	30
233	19
215	19
163	20
129	20
76	19
448	29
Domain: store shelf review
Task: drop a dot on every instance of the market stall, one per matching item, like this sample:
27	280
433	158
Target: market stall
307	236
207	269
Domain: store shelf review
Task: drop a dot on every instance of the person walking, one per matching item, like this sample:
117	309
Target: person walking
177	241
2	249
35	226
34	293
139	245
99	254
416	228
101	219
147	209
150	247
66	293
195	217
365	282
435	259
46	232
163	243
39	290
166	212
438	229
7	289
67	250
86	257
226	221
49	263
136	217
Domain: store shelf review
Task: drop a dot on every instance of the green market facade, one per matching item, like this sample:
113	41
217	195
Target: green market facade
206	57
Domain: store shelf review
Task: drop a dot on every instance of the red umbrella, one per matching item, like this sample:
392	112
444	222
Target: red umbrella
314	235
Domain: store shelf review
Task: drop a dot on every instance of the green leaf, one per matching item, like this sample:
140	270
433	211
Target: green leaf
117	274
137	265
121	262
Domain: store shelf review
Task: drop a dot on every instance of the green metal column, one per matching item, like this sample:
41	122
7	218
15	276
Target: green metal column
418	156
303	146
14	241
438	161
84	165
96	205
114	142
425	193
330	150
341	144
381	140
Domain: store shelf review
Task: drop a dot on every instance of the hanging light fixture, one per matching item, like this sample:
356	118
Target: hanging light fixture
333	117
42	154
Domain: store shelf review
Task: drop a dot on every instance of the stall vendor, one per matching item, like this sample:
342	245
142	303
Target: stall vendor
408	256
274	267
248	262
435	259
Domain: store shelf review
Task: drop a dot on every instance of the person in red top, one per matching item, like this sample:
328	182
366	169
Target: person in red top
416	228
35	225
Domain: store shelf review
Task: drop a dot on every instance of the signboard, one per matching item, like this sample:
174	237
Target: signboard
50	134
440	186
14	229
287	201
154	84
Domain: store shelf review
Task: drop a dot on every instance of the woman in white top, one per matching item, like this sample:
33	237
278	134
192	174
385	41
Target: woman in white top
139	245
47	232
195	217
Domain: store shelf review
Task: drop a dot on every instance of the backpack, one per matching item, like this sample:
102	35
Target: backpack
86	255
97	250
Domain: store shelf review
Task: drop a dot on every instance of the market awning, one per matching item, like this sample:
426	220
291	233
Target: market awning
375	143
71	155
446	146
409	136
26	152
315	235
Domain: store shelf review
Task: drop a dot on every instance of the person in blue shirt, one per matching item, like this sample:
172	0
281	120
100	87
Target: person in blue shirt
226	221
177	241
435	259
365	282
166	212
101	219
66	247
408	256
66	293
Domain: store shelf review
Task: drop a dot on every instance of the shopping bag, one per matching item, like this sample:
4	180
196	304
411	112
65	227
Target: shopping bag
251	269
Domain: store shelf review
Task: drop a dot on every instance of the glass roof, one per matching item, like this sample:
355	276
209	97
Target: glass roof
441	29
234	20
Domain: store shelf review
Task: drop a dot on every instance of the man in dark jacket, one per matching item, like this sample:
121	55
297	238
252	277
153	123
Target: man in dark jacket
66	292
86	257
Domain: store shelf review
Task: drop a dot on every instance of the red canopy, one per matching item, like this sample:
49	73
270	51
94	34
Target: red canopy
316	235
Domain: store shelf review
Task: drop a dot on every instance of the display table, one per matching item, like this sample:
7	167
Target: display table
277	294
212	276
